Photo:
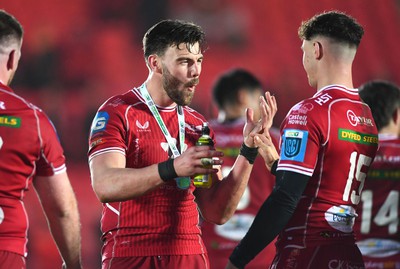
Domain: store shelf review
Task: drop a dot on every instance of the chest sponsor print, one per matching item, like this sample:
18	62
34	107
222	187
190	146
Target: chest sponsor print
357	137
9	121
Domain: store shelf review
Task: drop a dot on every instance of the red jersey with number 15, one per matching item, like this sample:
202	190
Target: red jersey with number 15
331	138
29	146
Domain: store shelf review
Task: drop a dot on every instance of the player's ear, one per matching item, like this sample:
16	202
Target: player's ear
396	116
318	50
12	60
155	63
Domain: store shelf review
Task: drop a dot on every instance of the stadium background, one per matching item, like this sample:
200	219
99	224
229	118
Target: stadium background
77	53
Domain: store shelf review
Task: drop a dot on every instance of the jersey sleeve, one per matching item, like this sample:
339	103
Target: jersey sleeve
108	131
51	159
302	133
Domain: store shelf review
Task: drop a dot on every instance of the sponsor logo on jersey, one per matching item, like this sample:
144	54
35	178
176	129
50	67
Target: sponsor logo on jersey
356	137
322	99
341	218
97	142
379	248
2	105
297	119
358	120
384	174
142	127
294	145
10	121
344	264
100	122
193	129
303	108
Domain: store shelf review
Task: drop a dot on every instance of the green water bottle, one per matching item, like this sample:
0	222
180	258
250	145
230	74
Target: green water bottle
204	181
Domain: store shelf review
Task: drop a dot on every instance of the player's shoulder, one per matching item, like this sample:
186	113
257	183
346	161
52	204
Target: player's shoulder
193	115
123	100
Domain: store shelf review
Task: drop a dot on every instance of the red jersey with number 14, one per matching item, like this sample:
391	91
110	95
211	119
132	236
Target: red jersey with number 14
377	227
331	138
29	146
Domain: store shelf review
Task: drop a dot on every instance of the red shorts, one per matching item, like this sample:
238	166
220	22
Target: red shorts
199	261
324	256
11	260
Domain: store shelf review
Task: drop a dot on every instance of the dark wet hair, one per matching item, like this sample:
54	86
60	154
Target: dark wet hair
168	33
333	24
10	29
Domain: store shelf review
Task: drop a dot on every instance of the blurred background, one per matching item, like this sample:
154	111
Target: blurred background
77	53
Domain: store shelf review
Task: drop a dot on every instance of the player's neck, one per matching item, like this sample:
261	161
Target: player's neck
158	94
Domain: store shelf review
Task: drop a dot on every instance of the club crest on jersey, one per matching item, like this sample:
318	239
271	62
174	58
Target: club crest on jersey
100	122
294	145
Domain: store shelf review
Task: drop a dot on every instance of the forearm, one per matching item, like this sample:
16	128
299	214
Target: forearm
220	202
65	229
120	184
60	207
271	218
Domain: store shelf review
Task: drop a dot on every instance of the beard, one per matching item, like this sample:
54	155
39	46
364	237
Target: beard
172	86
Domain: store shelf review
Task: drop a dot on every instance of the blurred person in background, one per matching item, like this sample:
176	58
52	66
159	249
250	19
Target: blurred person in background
328	142
30	153
142	157
233	92
377	224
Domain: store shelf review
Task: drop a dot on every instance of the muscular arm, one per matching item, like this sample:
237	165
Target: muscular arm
60	207
112	181
272	217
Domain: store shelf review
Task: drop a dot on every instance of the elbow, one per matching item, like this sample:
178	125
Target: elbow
102	191
218	219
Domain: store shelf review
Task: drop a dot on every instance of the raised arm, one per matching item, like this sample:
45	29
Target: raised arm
218	203
60	207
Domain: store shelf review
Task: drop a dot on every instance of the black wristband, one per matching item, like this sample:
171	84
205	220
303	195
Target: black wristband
166	170
249	153
274	166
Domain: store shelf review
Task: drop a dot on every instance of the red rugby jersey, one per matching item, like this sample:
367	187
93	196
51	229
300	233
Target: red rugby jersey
377	226
220	240
332	138
164	221
28	146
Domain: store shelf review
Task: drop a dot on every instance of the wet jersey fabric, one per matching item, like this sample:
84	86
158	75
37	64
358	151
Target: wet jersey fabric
164	221
29	146
220	240
331	138
377	225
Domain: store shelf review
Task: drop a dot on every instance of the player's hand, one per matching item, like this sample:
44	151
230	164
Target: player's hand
266	149
268	109
191	162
